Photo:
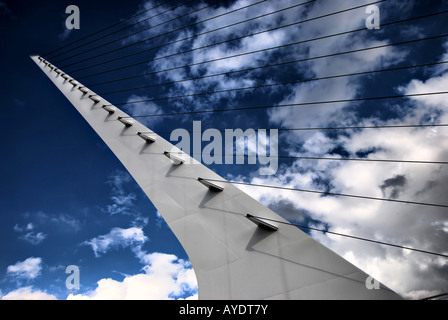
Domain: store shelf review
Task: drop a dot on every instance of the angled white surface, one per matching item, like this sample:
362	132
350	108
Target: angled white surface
233	258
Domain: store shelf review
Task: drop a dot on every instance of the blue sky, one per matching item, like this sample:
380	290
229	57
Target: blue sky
66	200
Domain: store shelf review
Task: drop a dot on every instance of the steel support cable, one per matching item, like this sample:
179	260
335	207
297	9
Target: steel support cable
119	30
290	105
256	51
159	35
369	127
275	65
247	53
436	297
175	41
332	193
332	158
226	41
348	236
281	83
327	158
106	28
134	33
330	128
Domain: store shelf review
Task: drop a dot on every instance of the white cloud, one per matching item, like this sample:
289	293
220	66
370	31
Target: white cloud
29	232
29	226
443	67
116	238
345	88
165	277
30	236
251	43
40	218
27	269
143	108
33	237
123	201
159	220
70	222
122	204
27	293
435	84
118	180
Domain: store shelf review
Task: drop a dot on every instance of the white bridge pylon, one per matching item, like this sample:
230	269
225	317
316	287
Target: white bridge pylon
235	253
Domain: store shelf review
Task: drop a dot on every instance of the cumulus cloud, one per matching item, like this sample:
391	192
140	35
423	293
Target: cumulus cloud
27	293
345	88
25	270
164	277
29	235
116	238
216	18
